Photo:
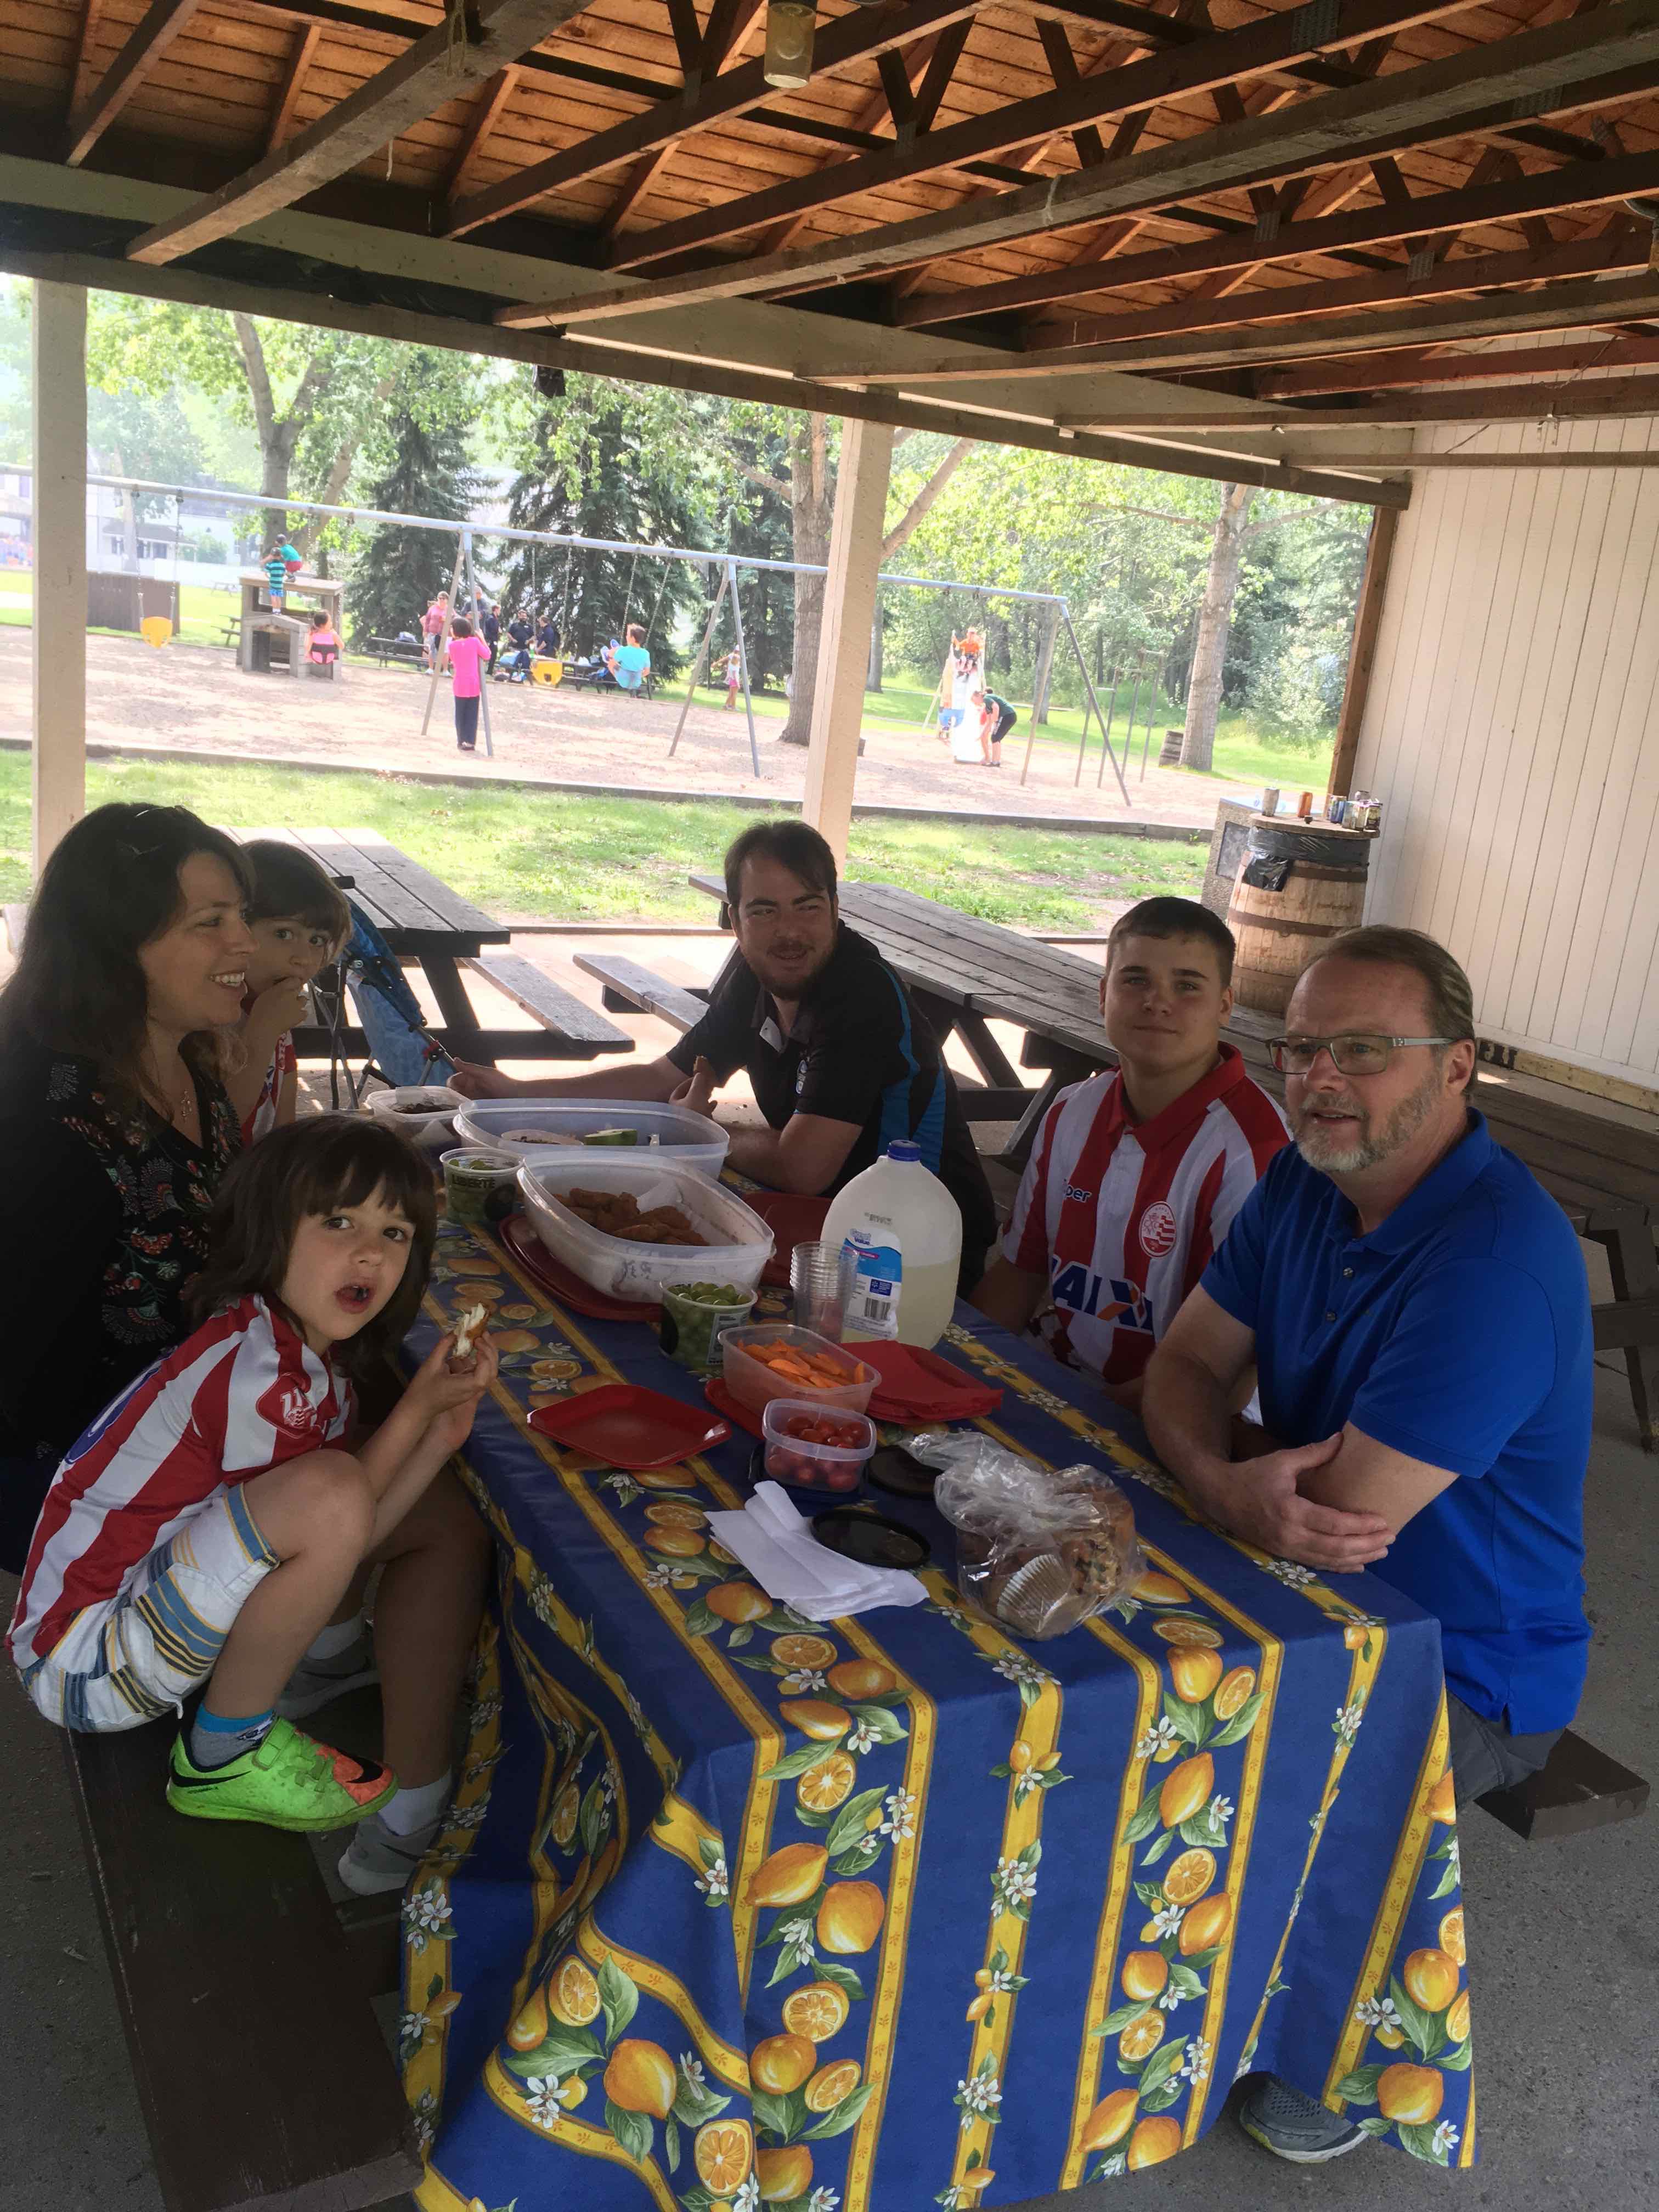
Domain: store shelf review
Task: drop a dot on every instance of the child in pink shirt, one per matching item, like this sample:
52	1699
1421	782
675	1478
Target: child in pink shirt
468	657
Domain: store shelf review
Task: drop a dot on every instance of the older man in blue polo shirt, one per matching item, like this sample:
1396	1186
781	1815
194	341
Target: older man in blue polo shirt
1416	1309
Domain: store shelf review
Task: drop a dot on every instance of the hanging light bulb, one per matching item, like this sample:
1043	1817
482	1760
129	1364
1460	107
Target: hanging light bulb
789	63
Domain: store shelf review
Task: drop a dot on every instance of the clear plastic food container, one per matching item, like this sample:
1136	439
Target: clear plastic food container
425	1112
528	1126
752	1381
691	1327
794	1454
739	1245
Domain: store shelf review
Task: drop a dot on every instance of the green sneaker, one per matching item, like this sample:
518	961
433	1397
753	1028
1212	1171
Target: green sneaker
288	1780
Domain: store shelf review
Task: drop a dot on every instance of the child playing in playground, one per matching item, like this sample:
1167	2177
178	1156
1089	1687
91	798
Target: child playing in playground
204	1529
630	664
733	677
324	643
298	921
277	575
468	656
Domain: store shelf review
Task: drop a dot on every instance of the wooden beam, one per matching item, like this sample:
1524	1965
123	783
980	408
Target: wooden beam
1612	54
1557	308
858	36
1599	399
1581	184
81	83
58	644
849	606
328	307
306	41
1208	63
1286	303
1368	617
1546	457
433	70
1388	371
487	111
148	40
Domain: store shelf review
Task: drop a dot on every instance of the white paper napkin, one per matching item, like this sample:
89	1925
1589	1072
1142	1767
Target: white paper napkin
778	1547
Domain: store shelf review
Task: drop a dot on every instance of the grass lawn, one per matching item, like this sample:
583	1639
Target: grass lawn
1241	755
203	610
559	856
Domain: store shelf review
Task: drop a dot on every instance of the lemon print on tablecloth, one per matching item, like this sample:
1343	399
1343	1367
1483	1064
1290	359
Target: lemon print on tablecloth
818	2012
828	1784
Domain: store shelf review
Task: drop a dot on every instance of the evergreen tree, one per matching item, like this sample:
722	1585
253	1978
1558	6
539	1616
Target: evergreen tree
398	571
601	479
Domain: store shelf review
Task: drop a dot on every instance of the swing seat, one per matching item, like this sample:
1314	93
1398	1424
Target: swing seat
547	672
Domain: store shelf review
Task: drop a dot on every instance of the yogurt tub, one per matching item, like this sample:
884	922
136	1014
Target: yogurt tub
480	1187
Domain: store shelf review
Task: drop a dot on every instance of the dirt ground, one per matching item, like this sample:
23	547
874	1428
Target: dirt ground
196	698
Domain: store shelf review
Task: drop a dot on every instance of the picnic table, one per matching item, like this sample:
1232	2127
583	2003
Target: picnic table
922	1914
1601	1172
424	921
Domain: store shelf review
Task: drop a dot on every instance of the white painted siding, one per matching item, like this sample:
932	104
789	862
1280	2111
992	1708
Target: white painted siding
1513	730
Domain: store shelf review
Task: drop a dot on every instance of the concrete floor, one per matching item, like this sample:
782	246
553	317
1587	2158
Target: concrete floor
1562	1940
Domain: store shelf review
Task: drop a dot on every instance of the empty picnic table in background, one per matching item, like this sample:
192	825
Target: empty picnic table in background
423	920
871	1897
1603	1173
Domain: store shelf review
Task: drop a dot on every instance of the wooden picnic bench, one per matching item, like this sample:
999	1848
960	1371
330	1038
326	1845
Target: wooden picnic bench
406	650
596	677
424	921
246	1998
627	983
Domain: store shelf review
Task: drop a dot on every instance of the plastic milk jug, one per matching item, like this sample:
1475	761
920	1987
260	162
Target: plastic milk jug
905	1230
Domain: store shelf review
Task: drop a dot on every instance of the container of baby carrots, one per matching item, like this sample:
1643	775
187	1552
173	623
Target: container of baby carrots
777	1360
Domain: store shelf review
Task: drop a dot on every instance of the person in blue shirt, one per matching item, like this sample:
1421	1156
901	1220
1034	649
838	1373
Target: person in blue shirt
630	664
1416	1309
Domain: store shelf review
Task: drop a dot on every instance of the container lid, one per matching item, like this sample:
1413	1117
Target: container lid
902	1148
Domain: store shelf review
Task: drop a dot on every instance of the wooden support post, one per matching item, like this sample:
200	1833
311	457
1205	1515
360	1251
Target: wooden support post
60	563
1367	620
849	606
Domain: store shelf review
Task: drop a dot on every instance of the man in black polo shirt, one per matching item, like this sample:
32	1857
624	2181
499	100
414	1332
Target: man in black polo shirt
840	1061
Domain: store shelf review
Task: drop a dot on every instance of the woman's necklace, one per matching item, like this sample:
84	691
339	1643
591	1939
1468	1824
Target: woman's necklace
180	1109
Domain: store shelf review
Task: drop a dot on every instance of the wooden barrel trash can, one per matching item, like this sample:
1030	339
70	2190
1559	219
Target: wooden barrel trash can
1297	887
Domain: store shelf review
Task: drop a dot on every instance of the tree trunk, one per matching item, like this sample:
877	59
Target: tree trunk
1214	620
339	474
811	508
874	674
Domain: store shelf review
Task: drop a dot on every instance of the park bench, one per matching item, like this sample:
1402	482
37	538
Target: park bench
247	2000
627	983
230	633
401	649
545	1001
598	677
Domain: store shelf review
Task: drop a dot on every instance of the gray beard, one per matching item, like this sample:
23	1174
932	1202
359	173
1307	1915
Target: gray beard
1371	1149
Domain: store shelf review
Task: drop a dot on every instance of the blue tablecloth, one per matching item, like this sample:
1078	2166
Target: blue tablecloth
736	1909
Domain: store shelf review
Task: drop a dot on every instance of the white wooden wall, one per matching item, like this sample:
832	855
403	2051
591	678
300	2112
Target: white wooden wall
1513	730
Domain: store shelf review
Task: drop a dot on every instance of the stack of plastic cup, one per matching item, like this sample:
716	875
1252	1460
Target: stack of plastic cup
822	1278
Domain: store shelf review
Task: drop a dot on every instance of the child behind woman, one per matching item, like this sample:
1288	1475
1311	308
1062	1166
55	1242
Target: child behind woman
299	922
206	1527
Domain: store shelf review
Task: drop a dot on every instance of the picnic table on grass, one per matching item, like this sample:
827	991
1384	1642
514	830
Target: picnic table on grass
916	1913
963	971
425	923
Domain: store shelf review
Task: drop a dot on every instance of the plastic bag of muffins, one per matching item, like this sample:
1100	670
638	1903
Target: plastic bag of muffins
1038	1550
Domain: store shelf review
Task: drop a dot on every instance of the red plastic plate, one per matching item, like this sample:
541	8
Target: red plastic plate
531	1255
918	1385
630	1427
746	1416
792	1219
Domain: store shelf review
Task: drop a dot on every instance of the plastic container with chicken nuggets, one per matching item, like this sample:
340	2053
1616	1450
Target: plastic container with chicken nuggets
737	1242
774	1359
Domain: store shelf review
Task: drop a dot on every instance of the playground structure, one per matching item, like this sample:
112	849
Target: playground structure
269	625
272	637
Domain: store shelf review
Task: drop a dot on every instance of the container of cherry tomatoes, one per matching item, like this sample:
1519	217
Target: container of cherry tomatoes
816	1447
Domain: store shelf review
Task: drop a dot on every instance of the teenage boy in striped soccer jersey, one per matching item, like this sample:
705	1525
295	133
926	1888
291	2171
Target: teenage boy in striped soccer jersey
1136	1175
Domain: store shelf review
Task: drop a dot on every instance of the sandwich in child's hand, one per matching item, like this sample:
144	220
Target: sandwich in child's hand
466	1329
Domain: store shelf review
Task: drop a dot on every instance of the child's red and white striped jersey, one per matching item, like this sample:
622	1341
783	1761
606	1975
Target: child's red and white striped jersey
1123	1216
240	1395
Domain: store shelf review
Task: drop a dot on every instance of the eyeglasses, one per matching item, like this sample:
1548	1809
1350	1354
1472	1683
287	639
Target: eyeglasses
1352	1054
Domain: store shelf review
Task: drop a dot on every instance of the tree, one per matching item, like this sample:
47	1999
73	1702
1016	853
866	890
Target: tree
311	396
398	570
606	461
